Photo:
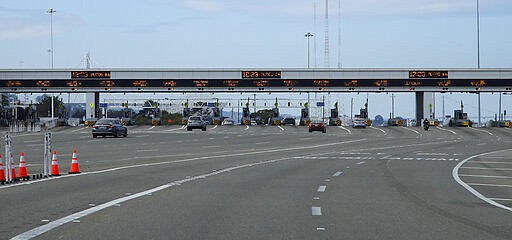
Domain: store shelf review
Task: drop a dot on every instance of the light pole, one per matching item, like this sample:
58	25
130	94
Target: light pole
51	11
308	35
478	33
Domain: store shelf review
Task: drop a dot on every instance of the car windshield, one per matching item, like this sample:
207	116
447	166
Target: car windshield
104	122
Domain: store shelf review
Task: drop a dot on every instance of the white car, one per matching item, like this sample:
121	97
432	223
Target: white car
228	122
358	122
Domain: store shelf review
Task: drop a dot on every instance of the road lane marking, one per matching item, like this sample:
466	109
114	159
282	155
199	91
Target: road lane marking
378	129
146	150
455	174
480	130
215	126
501	199
359	163
321	188
151	127
31	141
410	129
482	168
174	129
320	229
259	143
337	174
482	176
316	198
246	128
349	132
78	215
282	129
490	162
448	130
215	146
181	161
489	185
141	136
316	211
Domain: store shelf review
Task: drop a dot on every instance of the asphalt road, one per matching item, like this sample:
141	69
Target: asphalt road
266	183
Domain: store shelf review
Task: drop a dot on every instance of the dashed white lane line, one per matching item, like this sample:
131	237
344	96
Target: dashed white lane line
349	132
447	130
282	129
76	130
337	174
147	150
455	174
174	129
316	211
259	143
378	129
215	146
359	163
321	188
320	229
141	136
480	130
78	215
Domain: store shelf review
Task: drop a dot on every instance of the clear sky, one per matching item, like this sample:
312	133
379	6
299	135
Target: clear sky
257	33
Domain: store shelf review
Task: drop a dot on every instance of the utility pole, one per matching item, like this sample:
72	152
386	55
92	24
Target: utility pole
51	11
308	35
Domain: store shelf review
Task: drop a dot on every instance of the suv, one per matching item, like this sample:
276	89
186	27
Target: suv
196	122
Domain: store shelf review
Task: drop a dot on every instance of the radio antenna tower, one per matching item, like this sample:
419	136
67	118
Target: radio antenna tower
326	40
87	60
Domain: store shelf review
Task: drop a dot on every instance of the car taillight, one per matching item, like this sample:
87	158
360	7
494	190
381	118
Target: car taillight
95	127
110	126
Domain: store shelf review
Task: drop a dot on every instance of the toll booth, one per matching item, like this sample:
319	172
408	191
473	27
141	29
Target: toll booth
217	116
186	114
395	122
460	119
276	119
127	118
156	117
334	120
304	117
246	119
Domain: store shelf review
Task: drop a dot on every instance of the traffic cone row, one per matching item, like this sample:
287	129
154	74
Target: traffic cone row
22	170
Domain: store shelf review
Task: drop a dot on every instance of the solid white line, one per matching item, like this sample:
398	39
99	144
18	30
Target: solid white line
183	126
378	129
455	174
490	162
489	185
476	129
410	129
482	168
321	188
483	176
262	143
140	136
337	174
448	130
282	129
349	132
215	126
501	199
76	216
146	150
152	127
316	211
246	128
174	129
180	161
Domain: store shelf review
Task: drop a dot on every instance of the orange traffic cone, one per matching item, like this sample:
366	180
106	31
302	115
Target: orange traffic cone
22	173
74	164
13	167
2	172
55	164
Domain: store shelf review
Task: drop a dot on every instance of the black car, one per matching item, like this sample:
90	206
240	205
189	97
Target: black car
289	121
109	126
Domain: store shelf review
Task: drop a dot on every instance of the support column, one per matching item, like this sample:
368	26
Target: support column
92	101
424	106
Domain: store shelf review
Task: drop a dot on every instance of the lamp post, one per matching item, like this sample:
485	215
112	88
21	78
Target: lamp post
51	11
308	35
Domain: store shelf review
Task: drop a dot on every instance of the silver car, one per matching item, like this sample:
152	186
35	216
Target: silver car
196	122
358	122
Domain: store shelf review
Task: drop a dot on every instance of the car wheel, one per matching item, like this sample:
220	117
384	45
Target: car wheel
125	133
324	131
94	136
310	131
204	129
189	129
116	134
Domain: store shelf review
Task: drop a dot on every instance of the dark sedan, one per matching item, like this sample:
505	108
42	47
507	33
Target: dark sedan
317	126
289	121
109	126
